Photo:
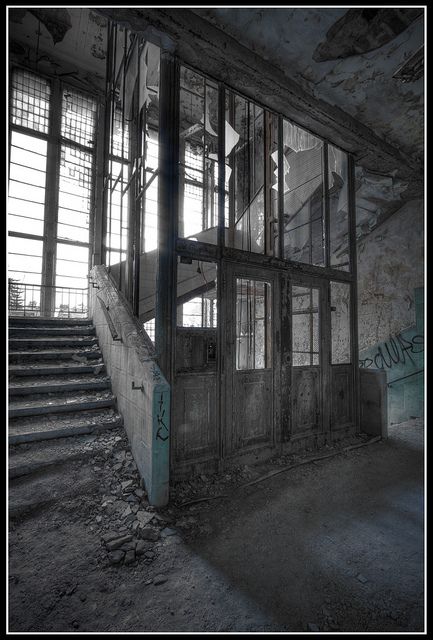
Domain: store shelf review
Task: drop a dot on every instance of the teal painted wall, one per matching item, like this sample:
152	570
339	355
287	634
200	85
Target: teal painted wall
402	356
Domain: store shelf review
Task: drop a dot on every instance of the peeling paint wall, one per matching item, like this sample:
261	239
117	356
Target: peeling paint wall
391	308
390	267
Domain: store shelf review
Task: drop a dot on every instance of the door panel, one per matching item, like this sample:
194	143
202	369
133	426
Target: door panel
306	400
342	400
196	434
251	354
252	411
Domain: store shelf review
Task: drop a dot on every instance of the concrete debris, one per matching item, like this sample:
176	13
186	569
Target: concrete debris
129	557
168	532
127	512
140	548
117	543
144	517
116	557
159	579
148	533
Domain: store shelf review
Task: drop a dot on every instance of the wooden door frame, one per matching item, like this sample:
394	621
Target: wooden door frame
232	270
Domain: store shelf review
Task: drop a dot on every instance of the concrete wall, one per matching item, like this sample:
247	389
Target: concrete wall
143	395
391	308
390	268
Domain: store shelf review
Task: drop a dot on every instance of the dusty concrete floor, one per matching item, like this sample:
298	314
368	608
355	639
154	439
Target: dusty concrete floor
335	545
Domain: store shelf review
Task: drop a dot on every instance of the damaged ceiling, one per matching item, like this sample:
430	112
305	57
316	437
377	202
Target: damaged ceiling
354	76
64	42
368	62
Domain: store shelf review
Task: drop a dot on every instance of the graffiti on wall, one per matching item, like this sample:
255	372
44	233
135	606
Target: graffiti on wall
396	350
162	430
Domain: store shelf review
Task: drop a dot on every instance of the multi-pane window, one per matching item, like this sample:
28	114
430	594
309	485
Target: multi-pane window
253	324
75	187
131	173
57	225
30	106
27	179
305	326
198	157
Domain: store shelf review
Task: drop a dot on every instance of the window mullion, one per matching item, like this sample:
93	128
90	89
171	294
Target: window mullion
51	200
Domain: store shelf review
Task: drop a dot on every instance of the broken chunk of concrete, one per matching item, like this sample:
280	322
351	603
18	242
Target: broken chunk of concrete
117	543
144	517
148	533
141	547
129	557
115	557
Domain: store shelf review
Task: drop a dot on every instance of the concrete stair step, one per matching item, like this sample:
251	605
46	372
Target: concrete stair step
54	354
73	341
33	456
20	321
61	425
39	386
67	403
52	332
58	369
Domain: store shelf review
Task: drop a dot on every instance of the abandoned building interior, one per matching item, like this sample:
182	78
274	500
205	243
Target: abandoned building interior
224	207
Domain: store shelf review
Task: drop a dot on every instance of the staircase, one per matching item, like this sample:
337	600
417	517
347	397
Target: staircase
58	385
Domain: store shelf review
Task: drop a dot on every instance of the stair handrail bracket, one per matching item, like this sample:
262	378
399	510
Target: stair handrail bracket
131	362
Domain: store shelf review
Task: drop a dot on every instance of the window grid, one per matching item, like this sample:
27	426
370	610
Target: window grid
30	101
78	118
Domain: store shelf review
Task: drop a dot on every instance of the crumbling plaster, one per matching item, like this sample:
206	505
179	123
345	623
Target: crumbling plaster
390	267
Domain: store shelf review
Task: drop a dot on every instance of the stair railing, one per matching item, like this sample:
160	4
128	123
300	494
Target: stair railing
26	300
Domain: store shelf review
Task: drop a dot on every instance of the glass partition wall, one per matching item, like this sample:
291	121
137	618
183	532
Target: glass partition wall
229	230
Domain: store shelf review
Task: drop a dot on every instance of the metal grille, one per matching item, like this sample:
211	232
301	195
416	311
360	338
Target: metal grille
78	118
30	101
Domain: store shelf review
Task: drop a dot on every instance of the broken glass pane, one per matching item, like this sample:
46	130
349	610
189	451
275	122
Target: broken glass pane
338	208
303	196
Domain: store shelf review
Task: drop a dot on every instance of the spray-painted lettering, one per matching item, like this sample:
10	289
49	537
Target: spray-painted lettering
397	350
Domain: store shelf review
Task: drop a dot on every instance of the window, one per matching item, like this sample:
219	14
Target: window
30	106
198	157
27	179
305	327
253	324
62	226
303	196
338	208
196	294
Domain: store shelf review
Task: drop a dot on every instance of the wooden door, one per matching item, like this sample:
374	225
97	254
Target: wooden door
251	356
310	348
